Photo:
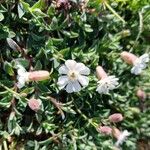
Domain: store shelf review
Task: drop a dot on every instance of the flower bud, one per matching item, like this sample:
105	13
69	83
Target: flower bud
116	133
129	58
104	130
101	74
34	104
38	75
141	94
117	117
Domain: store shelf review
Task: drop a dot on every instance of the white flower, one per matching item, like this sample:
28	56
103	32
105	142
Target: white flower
106	84
140	64
122	137
73	76
22	76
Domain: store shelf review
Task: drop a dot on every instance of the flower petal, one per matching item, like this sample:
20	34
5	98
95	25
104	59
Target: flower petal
106	84
136	70
76	86
62	81
70	64
112	86
26	76
21	71
144	58
113	78
73	87
102	89
69	88
63	70
82	69
21	82
84	81
142	65
122	137
20	85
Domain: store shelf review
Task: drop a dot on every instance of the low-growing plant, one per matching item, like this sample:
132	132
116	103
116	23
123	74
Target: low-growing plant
74	74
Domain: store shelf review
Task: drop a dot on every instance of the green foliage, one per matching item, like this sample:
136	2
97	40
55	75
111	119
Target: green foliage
46	34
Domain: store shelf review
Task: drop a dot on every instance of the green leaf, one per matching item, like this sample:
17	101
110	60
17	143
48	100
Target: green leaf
5	104
28	90
3	32
57	41
88	28
68	110
40	5
23	62
1	16
25	5
38	12
8	68
17	129
36	146
48	126
38	65
51	11
21	10
11	34
6	135
56	63
70	34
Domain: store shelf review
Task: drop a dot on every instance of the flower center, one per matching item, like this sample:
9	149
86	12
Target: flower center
72	75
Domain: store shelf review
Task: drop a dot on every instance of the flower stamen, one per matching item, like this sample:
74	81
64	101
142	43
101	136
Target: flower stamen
72	75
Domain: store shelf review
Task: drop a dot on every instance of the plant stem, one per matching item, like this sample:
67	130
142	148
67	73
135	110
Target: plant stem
8	89
140	31
11	91
56	104
5	145
114	12
0	147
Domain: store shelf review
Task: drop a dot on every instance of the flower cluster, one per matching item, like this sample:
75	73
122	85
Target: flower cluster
138	63
73	75
120	136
